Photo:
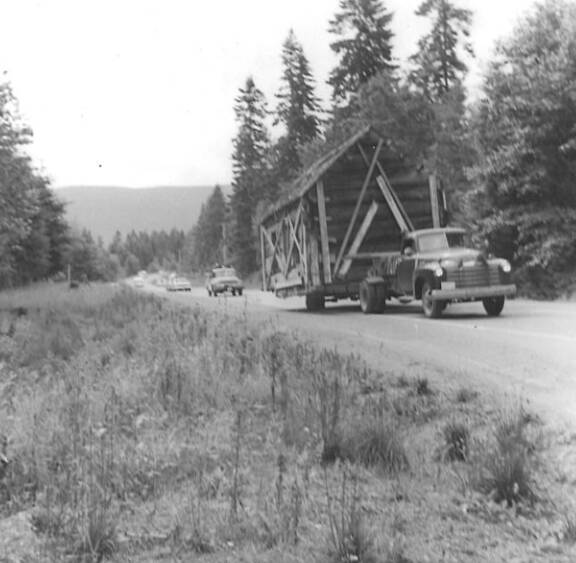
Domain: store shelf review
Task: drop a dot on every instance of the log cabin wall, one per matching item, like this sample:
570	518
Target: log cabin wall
340	207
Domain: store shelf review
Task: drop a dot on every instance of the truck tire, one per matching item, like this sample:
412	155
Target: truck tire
493	305
432	309
314	302
372	298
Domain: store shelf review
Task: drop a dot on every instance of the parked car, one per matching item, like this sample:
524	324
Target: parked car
178	284
223	280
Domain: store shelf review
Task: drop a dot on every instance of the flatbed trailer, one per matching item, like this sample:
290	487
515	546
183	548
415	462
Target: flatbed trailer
346	211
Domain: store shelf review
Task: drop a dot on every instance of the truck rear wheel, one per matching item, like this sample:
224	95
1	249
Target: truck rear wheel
314	302
432	309
372	298
493	305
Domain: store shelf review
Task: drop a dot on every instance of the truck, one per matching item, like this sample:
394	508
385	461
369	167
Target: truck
366	224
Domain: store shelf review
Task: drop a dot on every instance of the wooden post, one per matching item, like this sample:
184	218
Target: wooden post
359	237
324	243
263	258
433	183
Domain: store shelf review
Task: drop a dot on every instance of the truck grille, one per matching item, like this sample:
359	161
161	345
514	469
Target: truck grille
477	275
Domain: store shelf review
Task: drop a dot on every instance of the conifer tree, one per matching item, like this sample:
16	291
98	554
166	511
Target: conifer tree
438	64
208	235
250	173
298	108
364	45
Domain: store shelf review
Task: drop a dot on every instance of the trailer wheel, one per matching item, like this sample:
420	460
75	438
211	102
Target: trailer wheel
314	302
372	298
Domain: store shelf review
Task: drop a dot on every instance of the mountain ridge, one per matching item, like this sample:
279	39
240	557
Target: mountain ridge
103	210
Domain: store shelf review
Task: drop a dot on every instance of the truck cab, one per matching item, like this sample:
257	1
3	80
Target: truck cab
438	266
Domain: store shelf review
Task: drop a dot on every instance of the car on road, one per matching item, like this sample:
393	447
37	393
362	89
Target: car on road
224	280
178	283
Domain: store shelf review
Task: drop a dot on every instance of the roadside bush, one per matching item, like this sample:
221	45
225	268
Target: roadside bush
374	441
456	441
504	470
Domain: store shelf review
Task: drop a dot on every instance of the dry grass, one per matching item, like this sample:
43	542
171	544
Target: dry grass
140	431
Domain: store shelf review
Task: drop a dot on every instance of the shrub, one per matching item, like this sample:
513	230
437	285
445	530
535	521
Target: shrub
422	387
372	441
505	471
465	395
456	438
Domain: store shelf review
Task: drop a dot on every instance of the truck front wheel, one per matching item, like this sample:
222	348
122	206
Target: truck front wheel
432	309
372	298
493	305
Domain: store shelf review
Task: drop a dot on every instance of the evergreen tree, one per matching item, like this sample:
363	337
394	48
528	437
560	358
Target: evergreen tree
298	108
33	233
364	46
250	173
208	234
525	197
438	64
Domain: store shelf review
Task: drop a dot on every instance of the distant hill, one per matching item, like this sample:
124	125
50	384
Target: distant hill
105	210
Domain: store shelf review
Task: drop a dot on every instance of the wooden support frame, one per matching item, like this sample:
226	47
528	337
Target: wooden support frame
293	239
274	256
324	242
359	238
394	203
358	205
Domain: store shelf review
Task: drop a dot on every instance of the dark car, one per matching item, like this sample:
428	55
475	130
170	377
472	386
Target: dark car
224	280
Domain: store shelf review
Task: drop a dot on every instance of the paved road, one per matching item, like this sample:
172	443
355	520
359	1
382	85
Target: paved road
528	353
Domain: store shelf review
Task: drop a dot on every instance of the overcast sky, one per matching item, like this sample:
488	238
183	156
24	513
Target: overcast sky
140	92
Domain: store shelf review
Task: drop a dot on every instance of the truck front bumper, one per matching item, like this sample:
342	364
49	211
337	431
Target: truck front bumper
470	293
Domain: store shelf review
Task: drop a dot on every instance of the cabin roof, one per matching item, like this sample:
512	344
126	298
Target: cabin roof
308	178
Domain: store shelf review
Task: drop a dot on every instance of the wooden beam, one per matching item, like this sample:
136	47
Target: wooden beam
263	258
358	204
433	183
314	259
369	217
396	207
324	243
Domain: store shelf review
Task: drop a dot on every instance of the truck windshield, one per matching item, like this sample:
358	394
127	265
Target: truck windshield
441	241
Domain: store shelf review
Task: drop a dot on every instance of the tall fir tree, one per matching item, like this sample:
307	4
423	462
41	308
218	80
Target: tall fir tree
438	64
250	172
298	108
364	47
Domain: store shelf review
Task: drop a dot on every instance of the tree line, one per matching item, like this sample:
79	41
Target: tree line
507	159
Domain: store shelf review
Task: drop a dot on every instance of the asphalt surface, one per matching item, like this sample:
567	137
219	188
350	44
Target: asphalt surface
527	354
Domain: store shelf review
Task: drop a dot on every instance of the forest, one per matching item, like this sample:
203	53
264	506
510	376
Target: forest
506	154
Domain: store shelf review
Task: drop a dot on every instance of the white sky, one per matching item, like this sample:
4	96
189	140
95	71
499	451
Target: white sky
140	92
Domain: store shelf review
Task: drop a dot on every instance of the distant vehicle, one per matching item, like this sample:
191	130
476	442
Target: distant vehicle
223	280
178	284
